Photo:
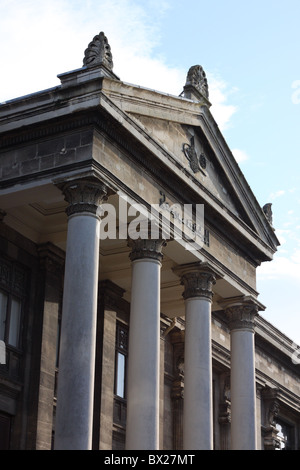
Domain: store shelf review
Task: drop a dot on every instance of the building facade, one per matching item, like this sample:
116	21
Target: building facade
129	242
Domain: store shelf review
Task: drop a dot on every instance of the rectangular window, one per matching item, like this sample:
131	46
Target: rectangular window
14	322
5	427
13	291
121	359
10	319
285	435
120	375
3	309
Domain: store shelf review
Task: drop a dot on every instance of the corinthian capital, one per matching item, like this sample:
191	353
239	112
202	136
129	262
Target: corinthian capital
146	248
84	195
198	280
241	314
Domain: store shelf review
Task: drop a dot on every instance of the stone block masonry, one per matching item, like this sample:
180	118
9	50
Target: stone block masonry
46	155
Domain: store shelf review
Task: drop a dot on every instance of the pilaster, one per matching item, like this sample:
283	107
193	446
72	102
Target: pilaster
110	297
51	282
177	394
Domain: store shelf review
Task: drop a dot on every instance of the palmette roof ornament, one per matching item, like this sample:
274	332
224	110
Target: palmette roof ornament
196	78
98	52
196	86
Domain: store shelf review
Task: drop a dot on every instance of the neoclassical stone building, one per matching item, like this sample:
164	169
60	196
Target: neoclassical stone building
114	341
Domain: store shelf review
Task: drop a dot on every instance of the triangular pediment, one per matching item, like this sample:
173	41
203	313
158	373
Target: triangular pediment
190	147
196	150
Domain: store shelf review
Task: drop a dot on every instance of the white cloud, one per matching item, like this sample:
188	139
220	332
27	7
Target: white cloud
218	95
41	39
282	235
277	194
240	155
281	267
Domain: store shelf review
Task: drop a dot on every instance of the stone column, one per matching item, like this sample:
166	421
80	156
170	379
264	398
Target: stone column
198	411
144	344
241	317
74	414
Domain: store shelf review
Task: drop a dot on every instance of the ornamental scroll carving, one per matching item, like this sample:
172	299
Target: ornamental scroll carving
197	163
272	408
98	52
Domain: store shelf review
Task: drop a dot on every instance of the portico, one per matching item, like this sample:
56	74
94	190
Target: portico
131	148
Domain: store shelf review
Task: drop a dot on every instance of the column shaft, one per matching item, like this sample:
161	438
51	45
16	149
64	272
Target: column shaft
243	385
74	417
198	418
142	429
198	281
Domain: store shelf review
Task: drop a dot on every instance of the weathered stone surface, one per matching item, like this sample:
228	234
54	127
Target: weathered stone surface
46	155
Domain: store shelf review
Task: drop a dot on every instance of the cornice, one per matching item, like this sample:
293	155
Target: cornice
268	335
284	395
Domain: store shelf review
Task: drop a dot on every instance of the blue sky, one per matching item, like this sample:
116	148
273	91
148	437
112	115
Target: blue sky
250	52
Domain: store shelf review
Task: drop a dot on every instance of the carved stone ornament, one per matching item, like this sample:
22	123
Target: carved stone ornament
146	248
98	52
272	408
267	208
242	316
225	403
198	284
84	195
198	279
196	78
197	163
